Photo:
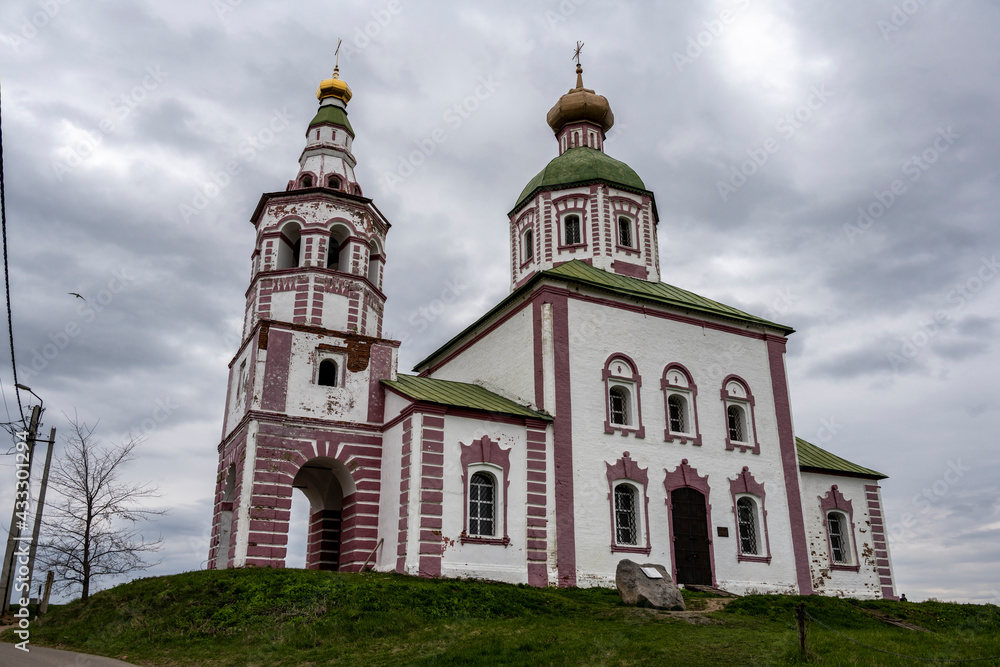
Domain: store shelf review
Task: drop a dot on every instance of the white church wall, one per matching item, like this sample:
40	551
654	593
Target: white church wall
305	398
335	307
827	577
596	332
389	496
491	561
501	361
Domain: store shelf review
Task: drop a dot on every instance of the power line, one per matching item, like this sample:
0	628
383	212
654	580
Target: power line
6	272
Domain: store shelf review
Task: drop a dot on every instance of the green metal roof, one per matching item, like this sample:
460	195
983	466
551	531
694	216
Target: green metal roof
578	166
332	114
817	459
459	394
582	273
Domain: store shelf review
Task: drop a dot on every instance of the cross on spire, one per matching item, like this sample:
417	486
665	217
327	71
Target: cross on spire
336	55
576	53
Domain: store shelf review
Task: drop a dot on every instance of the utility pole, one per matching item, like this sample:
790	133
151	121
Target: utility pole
14	536
39	507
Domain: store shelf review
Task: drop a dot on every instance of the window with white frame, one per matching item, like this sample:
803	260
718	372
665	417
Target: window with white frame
528	245
626	515
680	393
677	414
736	420
624	232
621	395
572	231
837	527
748	526
620	405
738	404
482	504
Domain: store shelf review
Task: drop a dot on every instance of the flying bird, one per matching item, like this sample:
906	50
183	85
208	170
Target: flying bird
76	295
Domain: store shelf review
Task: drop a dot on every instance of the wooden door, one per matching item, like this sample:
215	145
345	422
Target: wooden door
690	528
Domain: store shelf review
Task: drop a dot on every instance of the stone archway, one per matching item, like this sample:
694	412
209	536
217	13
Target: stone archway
326	483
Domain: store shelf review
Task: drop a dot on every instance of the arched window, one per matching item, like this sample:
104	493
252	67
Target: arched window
482	505
836	526
626	526
737	423
746	511
333	182
677	407
624	232
338	250
307	180
327	373
289	245
618	399
374	263
528	244
571	232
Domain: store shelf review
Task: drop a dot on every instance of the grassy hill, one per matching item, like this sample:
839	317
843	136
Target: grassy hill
260	617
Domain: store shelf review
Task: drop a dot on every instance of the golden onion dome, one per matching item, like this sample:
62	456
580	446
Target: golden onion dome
580	104
334	87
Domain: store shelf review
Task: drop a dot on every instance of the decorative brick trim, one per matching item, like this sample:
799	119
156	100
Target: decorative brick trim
677	379
431	500
744	483
686	476
613	370
834	500
873	498
406	456
625	469
536	503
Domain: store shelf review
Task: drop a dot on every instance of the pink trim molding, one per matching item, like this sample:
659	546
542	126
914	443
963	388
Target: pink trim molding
689	390
627	469
834	500
747	403
618	360
487	451
744	483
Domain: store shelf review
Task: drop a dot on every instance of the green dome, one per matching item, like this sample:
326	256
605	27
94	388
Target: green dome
580	165
329	113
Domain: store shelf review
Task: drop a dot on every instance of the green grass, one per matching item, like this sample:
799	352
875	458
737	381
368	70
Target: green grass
261	617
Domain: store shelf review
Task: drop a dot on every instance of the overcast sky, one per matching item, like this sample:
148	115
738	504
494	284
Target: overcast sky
765	130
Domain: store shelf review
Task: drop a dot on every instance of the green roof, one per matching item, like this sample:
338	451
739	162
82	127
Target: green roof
460	395
817	459
582	273
578	166
332	114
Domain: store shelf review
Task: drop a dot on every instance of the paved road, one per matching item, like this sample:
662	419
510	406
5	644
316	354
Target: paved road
50	657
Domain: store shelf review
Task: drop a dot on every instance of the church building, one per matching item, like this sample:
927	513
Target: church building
594	414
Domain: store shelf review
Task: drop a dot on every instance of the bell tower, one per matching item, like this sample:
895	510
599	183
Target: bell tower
305	405
584	204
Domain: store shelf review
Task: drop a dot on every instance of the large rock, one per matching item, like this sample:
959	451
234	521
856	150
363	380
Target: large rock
639	590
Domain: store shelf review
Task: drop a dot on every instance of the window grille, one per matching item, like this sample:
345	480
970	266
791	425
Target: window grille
572	236
835	527
529	245
619	406
735	423
624	232
747	515
327	373
678	414
482	504
625	523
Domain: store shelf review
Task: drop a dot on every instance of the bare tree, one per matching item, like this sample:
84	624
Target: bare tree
91	531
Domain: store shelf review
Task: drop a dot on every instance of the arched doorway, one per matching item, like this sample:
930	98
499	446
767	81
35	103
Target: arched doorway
326	483
692	557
